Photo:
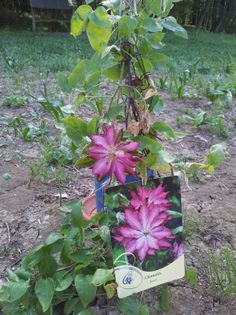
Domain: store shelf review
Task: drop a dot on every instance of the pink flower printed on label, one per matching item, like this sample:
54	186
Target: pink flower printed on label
145	231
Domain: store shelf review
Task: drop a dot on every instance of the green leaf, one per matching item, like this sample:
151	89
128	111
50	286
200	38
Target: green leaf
102	276
44	290
104	233
119	256
63	82
93	125
151	25
147	65
153	6
72	306
76	128
53	237
144	310
99	29
13	291
82	256
74	204
86	290
155	39
113	48
126	26
216	154
99	105
77	216
175	200
12	276
191	276
210	169
144	45
47	266
79	19
161	126
112	73
78	74
156	105
174	214
158	59
149	144
110	289
92	80
65	255
80	99
129	306
177	230
113	110
98	217
100	18
115	4
84	162
167	6
23	274
171	24
63	280
160	158
33	258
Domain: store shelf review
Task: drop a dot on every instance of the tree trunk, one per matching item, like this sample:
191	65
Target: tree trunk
204	15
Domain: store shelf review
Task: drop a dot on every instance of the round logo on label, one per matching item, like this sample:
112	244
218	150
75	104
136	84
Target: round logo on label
129	277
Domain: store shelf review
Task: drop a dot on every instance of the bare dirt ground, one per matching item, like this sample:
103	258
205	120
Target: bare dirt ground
29	214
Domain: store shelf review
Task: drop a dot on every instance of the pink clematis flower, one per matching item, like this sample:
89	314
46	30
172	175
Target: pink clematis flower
112	157
144	232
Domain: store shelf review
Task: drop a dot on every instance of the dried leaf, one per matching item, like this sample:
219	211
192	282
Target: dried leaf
135	127
119	136
146	122
150	93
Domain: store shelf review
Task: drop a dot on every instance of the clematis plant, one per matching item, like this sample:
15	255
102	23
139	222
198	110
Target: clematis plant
122	36
127	40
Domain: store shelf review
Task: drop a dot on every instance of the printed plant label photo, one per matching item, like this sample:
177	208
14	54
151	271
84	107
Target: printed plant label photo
146	233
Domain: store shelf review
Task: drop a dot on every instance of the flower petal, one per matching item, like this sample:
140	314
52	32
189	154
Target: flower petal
132	146
119	172
111	135
130	246
151	252
142	247
132	219
99	140
152	242
164	244
98	149
129	232
143	216
101	168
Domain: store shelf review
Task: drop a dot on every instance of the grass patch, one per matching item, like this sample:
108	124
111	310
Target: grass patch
23	50
58	52
213	51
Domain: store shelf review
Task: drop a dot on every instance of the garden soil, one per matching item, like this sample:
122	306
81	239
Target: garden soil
28	213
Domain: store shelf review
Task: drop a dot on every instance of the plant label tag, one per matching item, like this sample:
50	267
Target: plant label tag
146	233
